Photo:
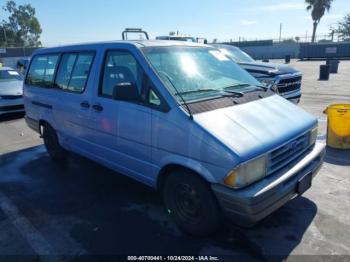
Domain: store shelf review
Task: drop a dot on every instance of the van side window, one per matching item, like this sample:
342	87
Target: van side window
65	70
42	70
153	99
73	71
120	67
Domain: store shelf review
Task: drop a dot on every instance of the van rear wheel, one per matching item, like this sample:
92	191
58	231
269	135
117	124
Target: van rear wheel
53	147
191	203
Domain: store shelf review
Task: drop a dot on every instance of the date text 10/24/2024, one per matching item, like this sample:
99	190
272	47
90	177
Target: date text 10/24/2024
173	258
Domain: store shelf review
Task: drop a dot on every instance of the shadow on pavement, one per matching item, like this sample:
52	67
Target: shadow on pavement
97	211
337	156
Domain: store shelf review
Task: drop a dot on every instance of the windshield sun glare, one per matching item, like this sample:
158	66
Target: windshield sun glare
193	71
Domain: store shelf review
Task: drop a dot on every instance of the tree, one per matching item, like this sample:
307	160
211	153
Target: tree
344	27
22	27
318	8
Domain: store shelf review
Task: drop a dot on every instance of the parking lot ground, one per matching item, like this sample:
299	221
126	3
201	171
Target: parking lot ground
66	211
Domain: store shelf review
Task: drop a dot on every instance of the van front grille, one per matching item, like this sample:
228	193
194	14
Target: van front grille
284	155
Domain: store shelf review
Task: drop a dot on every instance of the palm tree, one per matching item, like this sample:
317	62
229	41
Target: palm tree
318	8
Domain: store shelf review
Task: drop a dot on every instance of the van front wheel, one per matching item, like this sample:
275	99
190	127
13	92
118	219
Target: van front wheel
53	147
191	203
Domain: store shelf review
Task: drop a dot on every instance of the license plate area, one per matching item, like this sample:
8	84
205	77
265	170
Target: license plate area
304	183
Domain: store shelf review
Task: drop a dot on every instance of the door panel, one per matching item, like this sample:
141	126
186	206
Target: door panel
103	128
134	136
72	101
122	129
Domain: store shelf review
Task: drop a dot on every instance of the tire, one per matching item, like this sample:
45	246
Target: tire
53	147
190	201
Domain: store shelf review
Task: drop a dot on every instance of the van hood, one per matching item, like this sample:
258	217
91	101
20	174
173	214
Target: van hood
256	127
11	88
268	69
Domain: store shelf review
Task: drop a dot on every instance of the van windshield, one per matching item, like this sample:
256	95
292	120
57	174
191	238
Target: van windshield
198	72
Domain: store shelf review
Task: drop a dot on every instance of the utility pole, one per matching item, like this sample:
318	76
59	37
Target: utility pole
280	32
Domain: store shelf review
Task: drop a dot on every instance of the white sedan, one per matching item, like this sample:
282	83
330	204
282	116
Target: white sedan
11	91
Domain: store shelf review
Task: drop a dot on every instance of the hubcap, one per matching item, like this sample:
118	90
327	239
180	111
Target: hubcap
188	203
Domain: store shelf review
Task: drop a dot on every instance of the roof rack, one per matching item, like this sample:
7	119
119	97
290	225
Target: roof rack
133	30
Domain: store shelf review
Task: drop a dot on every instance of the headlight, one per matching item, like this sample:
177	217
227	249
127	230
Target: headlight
247	173
268	82
313	136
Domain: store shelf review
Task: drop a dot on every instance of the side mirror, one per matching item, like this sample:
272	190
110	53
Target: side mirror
126	91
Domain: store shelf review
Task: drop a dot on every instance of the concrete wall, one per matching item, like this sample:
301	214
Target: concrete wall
277	50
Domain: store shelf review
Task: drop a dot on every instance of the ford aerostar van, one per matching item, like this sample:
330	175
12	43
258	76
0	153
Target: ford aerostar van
180	117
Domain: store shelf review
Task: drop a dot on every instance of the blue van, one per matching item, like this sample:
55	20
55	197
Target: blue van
179	117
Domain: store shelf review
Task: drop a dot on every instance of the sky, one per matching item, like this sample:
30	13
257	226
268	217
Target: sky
74	21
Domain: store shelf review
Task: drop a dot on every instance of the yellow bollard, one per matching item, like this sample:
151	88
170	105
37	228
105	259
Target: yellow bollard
338	126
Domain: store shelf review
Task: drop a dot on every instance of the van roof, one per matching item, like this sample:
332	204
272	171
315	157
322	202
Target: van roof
135	43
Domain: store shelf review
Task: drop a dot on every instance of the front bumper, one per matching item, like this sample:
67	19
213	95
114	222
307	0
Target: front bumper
11	105
248	205
293	96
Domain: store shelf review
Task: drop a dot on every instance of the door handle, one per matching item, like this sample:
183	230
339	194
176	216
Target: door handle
97	107
85	104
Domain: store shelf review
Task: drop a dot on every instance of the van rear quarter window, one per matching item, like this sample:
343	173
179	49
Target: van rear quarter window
73	71
42	70
65	70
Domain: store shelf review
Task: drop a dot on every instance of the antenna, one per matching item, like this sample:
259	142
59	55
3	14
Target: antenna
179	94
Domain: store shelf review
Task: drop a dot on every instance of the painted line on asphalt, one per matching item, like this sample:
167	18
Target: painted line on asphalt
36	240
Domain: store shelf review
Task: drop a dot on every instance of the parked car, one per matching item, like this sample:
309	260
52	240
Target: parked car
282	79
11	84
184	38
177	38
179	117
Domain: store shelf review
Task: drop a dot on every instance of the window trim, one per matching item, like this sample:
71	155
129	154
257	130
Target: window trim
78	53
55	70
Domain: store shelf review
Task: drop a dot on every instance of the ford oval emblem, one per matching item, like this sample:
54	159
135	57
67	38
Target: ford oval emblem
293	145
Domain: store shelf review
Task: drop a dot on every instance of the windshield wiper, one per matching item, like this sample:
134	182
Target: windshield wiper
262	87
198	91
228	89
183	100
